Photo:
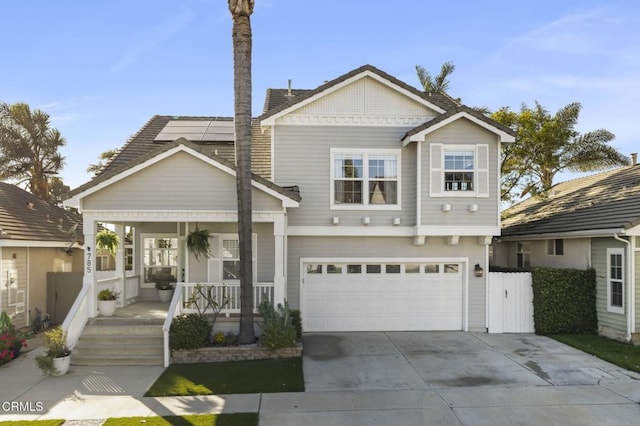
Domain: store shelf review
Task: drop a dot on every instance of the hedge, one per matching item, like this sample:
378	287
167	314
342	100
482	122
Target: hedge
564	301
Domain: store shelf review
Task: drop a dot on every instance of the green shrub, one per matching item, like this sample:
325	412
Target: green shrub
230	338
218	338
564	301
277	328
296	320
189	332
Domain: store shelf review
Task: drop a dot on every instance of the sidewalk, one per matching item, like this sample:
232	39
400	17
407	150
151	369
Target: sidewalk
99	393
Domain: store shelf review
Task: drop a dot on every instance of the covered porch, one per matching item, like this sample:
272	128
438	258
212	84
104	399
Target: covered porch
156	246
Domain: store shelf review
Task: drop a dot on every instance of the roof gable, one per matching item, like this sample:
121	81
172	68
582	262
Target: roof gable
461	112
348	94
288	198
605	201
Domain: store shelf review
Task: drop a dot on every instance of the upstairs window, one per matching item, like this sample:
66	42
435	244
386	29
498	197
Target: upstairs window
365	179
458	170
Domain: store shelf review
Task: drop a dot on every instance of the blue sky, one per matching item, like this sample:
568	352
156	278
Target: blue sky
101	69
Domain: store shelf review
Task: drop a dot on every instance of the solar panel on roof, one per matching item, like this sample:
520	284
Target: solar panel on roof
198	131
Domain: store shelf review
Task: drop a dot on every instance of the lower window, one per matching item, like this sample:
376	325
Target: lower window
615	280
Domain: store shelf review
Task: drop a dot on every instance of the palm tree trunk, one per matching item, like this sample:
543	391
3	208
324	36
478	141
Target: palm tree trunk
241	11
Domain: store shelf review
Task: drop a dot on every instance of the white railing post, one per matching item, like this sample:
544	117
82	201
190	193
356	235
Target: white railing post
175	309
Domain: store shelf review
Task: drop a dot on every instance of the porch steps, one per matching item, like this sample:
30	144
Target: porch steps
120	341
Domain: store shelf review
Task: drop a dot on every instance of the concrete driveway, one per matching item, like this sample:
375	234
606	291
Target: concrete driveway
421	378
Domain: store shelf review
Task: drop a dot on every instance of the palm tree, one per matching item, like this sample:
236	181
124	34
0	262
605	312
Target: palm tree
103	158
440	82
547	144
241	11
29	148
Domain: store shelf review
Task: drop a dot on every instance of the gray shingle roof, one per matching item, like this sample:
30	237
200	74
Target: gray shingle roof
23	216
603	201
144	141
281	102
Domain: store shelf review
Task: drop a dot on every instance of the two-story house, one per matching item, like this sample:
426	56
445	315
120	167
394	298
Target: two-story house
373	205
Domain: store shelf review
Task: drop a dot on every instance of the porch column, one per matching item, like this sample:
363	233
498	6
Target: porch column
119	272
89	263
279	254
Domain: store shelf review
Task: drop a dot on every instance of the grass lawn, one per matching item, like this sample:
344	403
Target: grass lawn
236	419
260	376
621	354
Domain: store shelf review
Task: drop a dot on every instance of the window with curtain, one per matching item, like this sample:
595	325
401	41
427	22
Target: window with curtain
367	179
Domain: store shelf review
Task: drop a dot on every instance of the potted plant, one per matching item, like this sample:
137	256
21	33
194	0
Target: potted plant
107	240
164	285
107	300
57	359
198	243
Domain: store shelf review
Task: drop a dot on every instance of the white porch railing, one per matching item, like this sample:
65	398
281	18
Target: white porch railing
184	292
77	317
230	291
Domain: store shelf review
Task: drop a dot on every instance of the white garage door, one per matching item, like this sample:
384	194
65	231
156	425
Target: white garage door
382	296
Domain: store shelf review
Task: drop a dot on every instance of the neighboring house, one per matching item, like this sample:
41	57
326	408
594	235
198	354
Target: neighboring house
592	221
372	203
36	237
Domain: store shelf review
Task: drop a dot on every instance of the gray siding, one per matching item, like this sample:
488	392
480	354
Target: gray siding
175	183
265	250
608	322
303	155
390	247
465	132
577	254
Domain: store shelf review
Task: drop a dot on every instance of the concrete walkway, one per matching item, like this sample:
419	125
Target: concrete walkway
415	378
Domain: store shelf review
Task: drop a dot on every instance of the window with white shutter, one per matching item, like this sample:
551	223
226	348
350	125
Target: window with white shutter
459	170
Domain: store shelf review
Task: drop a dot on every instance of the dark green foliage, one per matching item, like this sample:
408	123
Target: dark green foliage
296	320
189	332
277	327
564	301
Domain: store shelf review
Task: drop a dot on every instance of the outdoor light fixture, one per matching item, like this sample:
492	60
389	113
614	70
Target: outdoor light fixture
478	270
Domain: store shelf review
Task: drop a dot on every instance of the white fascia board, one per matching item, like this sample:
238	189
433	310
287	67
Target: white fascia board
351	231
457	230
270	121
504	137
571	234
75	201
178	215
391	231
41	244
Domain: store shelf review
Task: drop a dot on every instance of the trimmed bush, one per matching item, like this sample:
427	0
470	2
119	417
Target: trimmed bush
564	301
189	332
277	328
296	320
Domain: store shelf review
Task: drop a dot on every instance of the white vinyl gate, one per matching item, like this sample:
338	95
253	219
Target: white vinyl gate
510	302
